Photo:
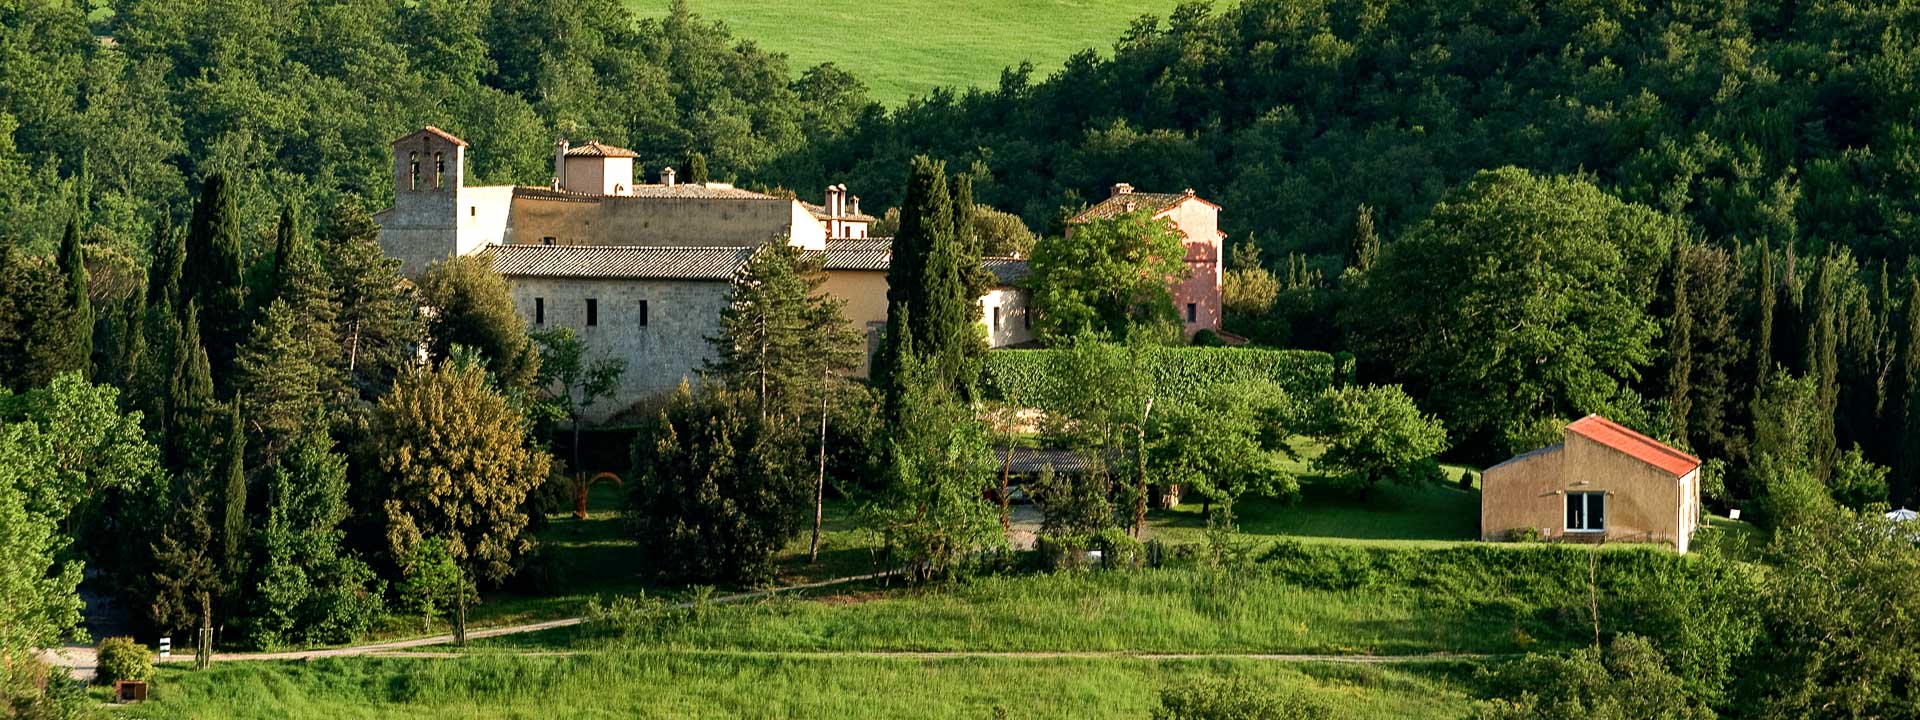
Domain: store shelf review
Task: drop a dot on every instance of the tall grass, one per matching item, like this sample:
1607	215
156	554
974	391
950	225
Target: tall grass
682	685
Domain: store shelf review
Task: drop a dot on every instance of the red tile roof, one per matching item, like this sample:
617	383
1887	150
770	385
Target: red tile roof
1639	447
436	132
599	149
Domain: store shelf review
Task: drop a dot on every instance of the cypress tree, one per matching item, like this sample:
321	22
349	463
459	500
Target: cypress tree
697	168
1364	248
1763	296
1823	365
213	275
233	515
1680	347
978	280
1901	393
77	307
189	403
907	268
169	263
288	241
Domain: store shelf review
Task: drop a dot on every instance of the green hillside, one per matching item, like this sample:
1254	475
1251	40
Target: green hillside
907	47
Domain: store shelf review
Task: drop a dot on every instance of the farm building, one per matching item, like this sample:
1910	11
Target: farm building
1602	482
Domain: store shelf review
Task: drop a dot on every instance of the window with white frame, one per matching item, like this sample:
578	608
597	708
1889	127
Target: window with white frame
1586	512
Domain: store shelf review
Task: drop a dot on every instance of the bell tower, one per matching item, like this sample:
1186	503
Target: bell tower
429	178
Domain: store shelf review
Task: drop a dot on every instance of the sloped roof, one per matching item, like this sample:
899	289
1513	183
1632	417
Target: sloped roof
1008	271
646	191
599	149
1123	203
618	262
858	253
434	131
1639	447
819	212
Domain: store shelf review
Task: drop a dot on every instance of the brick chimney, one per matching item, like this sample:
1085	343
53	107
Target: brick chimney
666	176
1121	189
560	163
833	201
855	200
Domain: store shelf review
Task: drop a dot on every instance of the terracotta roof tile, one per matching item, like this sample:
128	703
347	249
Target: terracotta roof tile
618	262
647	191
858	253
436	132
1639	447
820	213
599	149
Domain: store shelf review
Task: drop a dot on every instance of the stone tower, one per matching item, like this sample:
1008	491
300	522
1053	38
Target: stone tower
435	215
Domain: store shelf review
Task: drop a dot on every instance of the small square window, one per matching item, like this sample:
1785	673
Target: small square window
539	311
548	240
643	313
593	312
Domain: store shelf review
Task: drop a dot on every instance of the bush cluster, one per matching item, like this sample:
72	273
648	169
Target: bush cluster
1182	374
120	658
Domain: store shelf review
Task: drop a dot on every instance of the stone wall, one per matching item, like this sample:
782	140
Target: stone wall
671	346
663	222
1199	225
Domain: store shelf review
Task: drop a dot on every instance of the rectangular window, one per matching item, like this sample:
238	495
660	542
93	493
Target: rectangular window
539	311
643	313
1586	512
593	312
1026	319
548	240
473	211
996	320
1192	312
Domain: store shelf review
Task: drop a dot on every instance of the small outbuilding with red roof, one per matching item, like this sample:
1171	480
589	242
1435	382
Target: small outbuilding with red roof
1602	482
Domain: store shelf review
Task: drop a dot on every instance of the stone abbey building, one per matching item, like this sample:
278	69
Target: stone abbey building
641	271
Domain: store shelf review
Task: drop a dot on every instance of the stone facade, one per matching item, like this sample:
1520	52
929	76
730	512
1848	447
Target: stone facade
659	327
1648	492
1197	295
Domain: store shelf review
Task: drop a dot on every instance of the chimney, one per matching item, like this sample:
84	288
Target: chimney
666	176
1188	192
1121	189
833	201
855	199
840	200
560	163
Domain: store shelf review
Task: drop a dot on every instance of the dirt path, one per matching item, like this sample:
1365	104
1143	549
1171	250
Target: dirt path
1010	654
395	647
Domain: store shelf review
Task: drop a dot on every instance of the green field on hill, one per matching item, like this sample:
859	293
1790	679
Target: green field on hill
902	48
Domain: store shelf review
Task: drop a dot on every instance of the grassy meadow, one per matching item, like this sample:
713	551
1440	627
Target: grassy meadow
901	48
695	685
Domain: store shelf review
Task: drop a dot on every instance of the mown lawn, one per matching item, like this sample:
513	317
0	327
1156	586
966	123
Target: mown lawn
697	685
901	48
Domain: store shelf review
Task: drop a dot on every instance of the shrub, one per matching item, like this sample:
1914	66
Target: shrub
1208	338
1217	699
120	658
1182	374
1523	535
1118	549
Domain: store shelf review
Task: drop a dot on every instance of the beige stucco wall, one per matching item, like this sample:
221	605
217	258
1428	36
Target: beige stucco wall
1199	225
670	347
598	175
865	293
664	222
1644	503
1012	305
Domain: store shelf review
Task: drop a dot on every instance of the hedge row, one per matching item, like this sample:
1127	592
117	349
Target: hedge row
1182	373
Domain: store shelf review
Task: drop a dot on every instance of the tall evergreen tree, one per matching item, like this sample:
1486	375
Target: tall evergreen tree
1679	345
1822	360
165	275
187	430
973	273
1363	249
697	168
77	306
377	330
779	332
35	340
1764	296
214	275
288	242
1903	389
279	383
234	525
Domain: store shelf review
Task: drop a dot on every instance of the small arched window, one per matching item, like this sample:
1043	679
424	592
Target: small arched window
439	171
413	171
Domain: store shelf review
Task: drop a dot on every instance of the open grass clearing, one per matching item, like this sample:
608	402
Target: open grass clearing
901	48
697	685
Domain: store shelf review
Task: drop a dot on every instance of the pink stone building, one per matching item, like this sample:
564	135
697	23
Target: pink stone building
1196	297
